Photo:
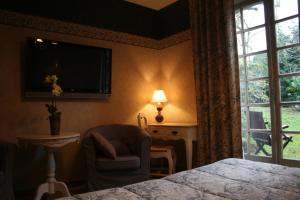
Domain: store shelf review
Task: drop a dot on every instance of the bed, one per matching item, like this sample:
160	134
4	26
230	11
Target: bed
226	179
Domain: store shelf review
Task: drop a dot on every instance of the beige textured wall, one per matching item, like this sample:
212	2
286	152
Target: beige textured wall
178	83
136	73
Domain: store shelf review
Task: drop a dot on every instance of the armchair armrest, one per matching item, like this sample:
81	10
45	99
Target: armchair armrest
143	148
143	142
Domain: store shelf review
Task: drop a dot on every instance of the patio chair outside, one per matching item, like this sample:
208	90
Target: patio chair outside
264	138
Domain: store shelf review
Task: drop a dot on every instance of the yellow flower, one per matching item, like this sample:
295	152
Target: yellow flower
51	79
54	78
48	79
56	89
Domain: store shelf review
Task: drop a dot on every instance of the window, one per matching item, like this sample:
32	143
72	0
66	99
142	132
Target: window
269	63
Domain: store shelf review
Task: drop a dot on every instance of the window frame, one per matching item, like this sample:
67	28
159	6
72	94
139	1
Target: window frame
274	77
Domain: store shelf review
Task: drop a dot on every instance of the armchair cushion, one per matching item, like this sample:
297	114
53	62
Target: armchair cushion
104	172
104	145
120	147
120	163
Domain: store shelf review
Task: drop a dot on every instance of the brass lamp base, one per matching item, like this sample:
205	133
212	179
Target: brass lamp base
159	117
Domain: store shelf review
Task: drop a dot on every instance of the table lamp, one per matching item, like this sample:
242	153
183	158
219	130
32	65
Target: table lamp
159	98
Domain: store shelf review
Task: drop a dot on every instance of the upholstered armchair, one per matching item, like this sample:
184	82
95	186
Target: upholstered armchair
6	165
116	155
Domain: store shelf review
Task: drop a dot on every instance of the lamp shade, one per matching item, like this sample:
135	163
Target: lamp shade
159	97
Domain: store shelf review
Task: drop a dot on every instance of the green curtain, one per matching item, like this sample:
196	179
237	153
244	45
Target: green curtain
217	80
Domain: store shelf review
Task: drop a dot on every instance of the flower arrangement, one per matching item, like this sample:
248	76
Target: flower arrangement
56	91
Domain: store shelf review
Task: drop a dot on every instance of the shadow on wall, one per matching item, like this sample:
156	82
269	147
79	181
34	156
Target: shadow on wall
147	78
176	114
179	83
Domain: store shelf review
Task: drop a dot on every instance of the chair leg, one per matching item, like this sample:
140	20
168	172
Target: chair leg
174	162
265	152
170	162
260	147
286	142
257	150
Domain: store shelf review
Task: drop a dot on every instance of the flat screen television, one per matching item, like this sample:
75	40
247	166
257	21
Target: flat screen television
82	71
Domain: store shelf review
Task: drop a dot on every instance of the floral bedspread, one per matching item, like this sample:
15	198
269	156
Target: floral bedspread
226	179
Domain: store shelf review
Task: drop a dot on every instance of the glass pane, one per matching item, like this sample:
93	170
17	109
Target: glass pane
258	91
292	149
287	32
243	92
244	130
244	142
242	69
254	15
257	66
260	140
290	88
243	118
238	19
240	44
290	118
285	8
289	60
255	40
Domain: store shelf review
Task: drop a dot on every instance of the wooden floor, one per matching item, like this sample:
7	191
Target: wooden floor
74	188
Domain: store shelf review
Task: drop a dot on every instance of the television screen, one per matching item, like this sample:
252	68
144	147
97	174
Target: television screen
82	71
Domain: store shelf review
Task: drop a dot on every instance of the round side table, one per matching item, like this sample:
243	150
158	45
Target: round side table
50	143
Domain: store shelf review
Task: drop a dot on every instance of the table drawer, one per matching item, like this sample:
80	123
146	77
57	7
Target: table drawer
168	131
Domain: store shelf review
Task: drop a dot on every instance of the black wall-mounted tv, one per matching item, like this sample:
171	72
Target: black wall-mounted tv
84	72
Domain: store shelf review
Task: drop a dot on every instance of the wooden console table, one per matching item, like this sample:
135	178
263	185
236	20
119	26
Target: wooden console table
50	143
176	131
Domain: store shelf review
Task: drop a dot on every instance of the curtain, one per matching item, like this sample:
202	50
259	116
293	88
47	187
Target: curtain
217	80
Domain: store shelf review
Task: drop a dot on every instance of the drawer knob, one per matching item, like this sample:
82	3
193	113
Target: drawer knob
155	131
174	132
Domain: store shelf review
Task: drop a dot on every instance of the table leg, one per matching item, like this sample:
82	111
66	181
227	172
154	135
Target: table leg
61	187
189	152
52	185
42	189
58	187
51	171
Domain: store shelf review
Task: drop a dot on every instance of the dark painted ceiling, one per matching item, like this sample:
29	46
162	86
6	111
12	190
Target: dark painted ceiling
117	15
156	5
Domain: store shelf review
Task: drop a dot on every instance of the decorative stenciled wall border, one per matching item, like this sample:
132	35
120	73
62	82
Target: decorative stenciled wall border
174	39
44	24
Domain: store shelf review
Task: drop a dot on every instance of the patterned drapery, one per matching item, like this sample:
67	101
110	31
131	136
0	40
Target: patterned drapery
217	80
